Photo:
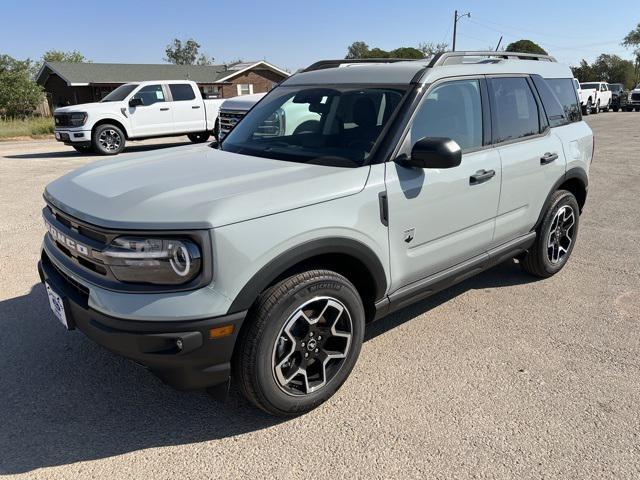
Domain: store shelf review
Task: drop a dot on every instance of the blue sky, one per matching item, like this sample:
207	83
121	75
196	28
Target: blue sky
292	34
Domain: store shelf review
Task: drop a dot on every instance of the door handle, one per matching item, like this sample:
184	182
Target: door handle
481	176
195	106
548	158
164	109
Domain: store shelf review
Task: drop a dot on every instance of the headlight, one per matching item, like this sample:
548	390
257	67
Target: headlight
78	119
162	261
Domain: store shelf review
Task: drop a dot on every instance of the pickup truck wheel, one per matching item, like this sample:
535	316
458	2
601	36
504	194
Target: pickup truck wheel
107	139
587	109
300	343
596	110
606	109
199	137
615	109
556	236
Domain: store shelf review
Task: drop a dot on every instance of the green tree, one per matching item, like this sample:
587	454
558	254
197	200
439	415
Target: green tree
357	50
613	69
186	53
429	49
525	46
584	72
406	52
632	40
73	56
19	94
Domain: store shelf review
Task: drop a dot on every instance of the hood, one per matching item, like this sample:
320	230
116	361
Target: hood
242	102
195	187
85	107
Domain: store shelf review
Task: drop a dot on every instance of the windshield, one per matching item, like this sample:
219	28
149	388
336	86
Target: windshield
337	125
615	87
120	93
585	86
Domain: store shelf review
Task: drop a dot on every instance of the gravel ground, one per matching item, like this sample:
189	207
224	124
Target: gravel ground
499	377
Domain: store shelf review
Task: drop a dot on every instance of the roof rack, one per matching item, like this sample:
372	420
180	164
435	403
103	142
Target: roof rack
448	58
322	64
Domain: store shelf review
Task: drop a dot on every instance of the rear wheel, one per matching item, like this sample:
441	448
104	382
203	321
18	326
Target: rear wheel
596	110
587	110
107	139
199	137
301	341
556	236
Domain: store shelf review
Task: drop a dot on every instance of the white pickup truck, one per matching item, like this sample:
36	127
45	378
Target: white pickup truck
601	99
136	111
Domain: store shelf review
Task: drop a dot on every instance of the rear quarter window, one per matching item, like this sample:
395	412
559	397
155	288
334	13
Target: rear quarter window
181	92
565	93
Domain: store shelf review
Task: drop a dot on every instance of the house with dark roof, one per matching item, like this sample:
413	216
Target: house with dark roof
73	83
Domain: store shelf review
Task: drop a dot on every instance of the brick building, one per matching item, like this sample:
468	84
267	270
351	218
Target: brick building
72	83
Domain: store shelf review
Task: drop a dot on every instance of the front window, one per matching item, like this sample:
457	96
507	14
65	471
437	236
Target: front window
616	88
336	126
150	94
120	93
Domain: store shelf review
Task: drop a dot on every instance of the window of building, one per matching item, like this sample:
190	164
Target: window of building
245	88
210	91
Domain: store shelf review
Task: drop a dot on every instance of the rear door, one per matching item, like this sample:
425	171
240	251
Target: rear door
154	116
441	217
531	154
188	108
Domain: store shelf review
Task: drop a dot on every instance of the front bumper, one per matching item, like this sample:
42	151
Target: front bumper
73	136
200	362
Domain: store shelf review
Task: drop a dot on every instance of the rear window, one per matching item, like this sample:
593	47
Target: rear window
587	86
181	92
565	93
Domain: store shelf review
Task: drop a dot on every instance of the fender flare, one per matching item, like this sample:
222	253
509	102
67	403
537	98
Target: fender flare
306	251
577	173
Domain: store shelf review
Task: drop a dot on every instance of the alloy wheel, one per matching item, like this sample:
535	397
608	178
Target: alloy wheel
312	346
110	140
561	234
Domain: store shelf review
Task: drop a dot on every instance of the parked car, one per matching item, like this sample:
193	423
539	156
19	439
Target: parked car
266	258
587	97
634	99
135	111
619	96
602	100
233	109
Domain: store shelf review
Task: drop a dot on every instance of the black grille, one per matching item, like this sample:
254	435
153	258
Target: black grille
84	291
62	119
635	97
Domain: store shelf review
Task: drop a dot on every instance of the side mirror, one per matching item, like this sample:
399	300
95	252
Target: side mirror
136	102
434	152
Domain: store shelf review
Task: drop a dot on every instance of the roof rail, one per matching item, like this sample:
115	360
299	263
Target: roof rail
322	64
445	58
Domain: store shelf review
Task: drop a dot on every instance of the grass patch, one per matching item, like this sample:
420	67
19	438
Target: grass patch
31	127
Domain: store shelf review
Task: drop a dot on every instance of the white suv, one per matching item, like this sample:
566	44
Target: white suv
264	260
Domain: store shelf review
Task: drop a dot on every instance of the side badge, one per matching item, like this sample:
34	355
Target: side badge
409	234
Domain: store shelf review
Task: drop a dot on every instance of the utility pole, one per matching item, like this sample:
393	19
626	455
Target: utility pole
457	17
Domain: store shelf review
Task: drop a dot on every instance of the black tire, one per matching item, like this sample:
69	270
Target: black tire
83	148
255	362
596	109
537	261
107	139
637	109
606	109
199	137
587	110
615	109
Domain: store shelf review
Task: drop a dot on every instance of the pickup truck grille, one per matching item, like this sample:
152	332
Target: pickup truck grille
635	97
271	127
228	120
62	119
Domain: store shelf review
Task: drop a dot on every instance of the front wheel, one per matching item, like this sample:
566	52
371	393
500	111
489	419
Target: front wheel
300	343
199	137
596	110
606	109
107	139
587	109
556	236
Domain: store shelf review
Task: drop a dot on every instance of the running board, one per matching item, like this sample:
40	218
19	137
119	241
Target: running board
432	284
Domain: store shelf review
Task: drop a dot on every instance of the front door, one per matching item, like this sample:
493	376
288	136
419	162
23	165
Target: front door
154	116
441	217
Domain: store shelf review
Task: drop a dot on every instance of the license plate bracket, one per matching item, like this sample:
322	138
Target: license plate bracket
60	307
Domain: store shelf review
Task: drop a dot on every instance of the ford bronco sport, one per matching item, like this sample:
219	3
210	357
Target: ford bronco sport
262	261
